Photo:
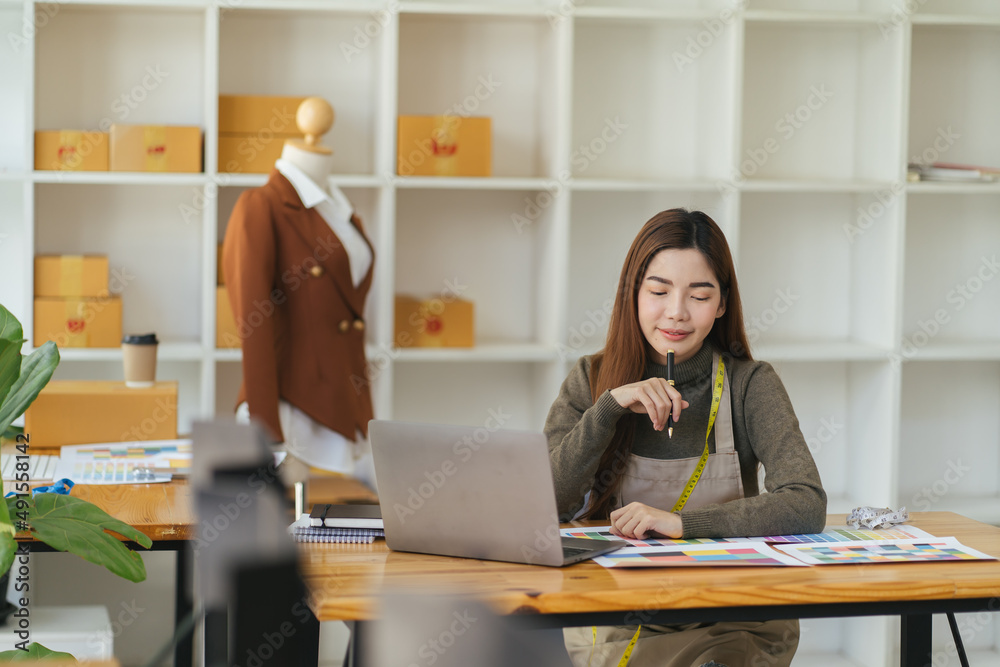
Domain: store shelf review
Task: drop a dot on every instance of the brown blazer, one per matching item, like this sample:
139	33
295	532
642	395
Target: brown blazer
298	315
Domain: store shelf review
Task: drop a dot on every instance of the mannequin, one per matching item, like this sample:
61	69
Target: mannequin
314	118
297	244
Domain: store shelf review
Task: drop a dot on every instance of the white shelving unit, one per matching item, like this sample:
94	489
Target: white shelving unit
789	121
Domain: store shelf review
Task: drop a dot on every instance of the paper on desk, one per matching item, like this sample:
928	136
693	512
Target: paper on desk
604	533
123	462
740	554
883	551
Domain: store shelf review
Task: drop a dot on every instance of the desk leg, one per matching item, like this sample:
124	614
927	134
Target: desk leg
183	594
353	658
915	640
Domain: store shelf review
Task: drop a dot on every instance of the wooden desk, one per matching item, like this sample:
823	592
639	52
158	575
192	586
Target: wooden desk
346	581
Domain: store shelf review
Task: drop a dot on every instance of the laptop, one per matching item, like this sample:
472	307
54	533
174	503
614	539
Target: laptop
472	492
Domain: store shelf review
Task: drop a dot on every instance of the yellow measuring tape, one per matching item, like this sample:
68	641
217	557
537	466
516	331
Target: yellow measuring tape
628	649
720	378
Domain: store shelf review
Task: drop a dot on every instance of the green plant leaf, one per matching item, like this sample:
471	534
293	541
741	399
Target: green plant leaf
10	328
10	365
36	370
74	525
34	653
8	545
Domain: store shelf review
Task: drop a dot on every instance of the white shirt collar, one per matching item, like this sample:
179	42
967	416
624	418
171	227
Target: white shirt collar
310	193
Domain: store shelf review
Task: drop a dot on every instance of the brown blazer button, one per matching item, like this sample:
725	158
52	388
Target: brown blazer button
316	271
359	325
344	326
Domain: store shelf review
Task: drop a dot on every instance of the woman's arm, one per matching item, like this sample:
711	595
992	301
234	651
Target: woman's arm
578	431
795	501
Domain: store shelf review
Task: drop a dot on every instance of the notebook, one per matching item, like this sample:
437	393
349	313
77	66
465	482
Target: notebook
471	492
346	516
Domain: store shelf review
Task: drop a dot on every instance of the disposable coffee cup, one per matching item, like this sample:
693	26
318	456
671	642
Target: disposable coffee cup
139	355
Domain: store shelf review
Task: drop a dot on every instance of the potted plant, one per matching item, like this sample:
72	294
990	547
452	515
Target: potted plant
63	522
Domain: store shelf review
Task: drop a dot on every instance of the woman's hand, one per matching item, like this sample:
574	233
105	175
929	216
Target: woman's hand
635	521
653	397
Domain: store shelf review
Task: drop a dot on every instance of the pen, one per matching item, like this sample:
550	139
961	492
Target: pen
670	381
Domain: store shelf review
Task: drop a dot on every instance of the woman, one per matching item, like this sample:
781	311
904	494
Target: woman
614	458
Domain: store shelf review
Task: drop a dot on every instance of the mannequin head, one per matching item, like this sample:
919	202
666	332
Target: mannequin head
314	119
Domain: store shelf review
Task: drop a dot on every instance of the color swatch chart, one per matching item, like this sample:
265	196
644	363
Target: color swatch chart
124	462
698	555
848	534
883	551
604	533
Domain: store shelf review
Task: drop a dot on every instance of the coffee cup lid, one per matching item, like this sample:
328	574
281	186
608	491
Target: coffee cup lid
140	339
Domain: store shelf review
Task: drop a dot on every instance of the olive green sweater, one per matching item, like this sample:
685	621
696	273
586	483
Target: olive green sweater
765	430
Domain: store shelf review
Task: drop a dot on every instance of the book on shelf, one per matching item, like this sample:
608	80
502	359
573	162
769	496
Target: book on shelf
951	172
346	516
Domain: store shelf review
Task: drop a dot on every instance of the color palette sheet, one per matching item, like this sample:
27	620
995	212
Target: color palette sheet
833	534
604	533
699	555
124	462
883	551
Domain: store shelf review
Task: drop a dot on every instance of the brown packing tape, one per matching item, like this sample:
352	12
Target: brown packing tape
70	142
76	323
70	274
154	140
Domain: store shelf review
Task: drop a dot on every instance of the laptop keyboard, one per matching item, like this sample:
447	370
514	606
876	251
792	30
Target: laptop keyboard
569	552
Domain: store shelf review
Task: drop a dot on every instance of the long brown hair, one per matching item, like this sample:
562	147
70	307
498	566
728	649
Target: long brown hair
625	355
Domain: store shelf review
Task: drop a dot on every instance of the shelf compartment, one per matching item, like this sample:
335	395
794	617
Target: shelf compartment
187	374
166	351
846	414
154	253
793	350
952	291
953	118
609	221
309	53
15	295
834	8
161	82
820	269
948	456
513	395
500	67
14	150
816	105
117	178
490	247
978	9
671	118
482	352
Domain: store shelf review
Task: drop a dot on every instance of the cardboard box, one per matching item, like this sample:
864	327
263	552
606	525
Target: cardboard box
71	275
79	322
71	150
159	148
225	324
253	130
444	146
442	322
77	412
248	154
254	114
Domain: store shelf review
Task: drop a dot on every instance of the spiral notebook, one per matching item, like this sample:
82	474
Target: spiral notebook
302	531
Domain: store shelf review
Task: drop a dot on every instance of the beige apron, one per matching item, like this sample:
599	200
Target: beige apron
659	483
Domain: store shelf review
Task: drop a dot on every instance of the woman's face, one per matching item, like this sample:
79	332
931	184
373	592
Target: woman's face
679	301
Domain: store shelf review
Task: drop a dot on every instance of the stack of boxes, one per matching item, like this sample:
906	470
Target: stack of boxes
144	148
73	307
253	130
